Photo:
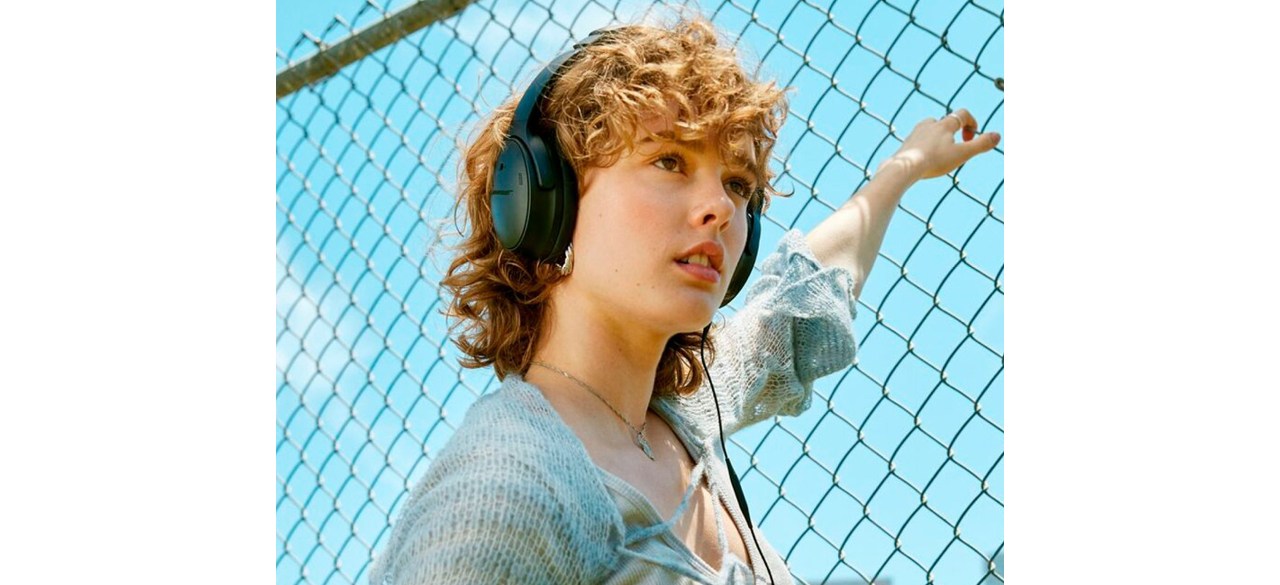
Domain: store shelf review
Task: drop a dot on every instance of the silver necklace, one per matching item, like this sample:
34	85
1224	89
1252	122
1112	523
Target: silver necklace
639	438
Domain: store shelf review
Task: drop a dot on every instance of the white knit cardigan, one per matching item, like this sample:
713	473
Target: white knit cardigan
515	498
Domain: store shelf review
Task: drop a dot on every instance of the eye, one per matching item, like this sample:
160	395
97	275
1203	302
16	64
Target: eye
670	162
740	187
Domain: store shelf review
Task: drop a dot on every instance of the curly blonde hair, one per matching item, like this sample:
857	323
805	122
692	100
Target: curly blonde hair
597	106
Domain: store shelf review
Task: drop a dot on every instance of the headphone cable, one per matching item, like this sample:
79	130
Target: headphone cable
733	477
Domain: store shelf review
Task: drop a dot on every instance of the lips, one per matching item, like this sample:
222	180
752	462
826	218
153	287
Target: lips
704	255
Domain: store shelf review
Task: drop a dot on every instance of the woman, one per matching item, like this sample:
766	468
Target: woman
600	459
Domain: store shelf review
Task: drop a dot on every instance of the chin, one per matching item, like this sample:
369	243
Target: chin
675	309
696	314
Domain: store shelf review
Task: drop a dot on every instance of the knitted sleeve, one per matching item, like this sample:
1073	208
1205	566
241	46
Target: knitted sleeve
796	326
496	508
476	530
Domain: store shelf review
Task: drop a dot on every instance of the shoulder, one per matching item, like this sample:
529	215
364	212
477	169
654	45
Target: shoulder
516	425
506	496
512	442
689	417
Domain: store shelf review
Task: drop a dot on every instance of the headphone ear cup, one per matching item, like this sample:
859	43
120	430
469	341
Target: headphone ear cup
531	221
748	260
512	194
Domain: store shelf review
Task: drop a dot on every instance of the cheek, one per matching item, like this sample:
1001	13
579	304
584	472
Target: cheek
617	232
644	215
623	215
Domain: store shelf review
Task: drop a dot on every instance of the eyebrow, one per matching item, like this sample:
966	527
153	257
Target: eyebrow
736	164
666	135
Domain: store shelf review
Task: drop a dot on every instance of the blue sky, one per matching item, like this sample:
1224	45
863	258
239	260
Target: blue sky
357	300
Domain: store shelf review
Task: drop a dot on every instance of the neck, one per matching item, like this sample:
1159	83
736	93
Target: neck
615	357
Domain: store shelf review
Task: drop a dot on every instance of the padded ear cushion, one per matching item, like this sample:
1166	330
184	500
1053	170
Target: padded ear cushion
565	207
748	260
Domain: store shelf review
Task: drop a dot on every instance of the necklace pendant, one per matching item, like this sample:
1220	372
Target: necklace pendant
644	446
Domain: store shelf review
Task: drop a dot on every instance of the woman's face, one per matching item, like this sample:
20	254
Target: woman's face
646	223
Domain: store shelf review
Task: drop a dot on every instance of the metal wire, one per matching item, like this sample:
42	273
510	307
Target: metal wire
896	471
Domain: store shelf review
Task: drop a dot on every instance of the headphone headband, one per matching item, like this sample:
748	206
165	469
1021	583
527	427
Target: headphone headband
526	123
543	82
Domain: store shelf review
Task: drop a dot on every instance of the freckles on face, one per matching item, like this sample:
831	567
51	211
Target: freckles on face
617	211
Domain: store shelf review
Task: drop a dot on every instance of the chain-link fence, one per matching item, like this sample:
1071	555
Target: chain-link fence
895	473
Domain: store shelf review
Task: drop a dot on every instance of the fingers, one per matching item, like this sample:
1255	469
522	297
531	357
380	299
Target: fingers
980	144
933	142
961	119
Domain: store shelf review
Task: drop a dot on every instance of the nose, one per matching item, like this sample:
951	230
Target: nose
713	205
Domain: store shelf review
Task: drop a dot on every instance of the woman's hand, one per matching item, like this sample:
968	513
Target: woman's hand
931	149
850	237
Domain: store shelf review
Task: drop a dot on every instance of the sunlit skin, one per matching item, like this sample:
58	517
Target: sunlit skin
611	318
627	295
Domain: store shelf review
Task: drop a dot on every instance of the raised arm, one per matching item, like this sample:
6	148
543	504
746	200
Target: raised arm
797	323
850	238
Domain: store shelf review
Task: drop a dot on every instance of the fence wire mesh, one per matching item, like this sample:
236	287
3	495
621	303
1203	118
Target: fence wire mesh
895	473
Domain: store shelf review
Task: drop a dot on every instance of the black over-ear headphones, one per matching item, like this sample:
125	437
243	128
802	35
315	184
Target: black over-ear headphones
535	191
